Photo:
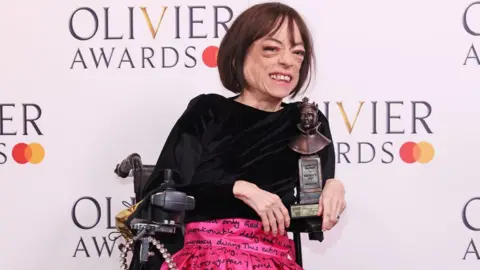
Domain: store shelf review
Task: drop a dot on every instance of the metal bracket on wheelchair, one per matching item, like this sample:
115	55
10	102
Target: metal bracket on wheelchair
145	231
144	227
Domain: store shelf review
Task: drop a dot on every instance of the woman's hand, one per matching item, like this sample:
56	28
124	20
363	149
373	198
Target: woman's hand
331	203
268	206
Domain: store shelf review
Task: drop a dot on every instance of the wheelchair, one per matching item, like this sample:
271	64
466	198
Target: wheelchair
170	237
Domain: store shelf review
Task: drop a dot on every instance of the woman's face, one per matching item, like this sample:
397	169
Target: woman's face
272	64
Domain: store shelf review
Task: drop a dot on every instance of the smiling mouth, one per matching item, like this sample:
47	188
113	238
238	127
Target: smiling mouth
281	77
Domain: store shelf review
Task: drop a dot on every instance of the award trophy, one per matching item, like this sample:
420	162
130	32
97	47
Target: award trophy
308	143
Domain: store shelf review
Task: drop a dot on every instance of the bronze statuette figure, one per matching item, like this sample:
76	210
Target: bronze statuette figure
308	144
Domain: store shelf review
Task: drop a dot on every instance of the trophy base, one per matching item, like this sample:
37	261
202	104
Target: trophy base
304	210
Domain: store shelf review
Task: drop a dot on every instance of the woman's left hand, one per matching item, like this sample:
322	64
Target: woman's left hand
331	203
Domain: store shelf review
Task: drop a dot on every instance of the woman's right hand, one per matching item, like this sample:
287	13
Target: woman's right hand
268	206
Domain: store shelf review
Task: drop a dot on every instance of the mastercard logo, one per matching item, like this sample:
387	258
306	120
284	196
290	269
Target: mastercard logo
209	56
28	153
422	152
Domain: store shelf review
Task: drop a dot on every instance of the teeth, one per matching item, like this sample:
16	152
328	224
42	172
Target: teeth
280	77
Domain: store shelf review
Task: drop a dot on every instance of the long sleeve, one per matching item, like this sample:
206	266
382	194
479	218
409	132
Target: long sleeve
327	154
183	151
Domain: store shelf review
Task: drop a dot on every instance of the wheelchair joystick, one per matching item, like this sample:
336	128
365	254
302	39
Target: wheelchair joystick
168	176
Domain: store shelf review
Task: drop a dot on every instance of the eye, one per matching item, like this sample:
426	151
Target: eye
270	49
299	52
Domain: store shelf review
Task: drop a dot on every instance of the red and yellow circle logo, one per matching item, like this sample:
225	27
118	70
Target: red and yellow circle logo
422	152
33	153
209	56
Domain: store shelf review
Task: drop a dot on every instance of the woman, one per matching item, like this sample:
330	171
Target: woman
232	154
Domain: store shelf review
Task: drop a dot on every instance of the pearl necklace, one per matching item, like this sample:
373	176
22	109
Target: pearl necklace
125	248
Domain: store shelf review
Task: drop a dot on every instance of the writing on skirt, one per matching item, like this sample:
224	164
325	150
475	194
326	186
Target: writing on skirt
237	244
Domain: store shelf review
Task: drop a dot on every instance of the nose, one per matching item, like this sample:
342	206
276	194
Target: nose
286	59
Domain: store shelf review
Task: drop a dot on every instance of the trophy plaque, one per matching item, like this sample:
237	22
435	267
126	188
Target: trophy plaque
308	143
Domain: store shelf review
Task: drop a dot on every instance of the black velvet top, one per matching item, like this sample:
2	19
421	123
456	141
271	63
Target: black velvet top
217	141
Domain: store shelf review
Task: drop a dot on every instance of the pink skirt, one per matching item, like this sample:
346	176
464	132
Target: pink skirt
233	244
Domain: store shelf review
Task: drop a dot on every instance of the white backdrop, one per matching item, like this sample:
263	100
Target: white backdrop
402	59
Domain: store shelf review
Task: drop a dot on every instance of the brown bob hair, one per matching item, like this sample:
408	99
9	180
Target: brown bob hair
254	23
